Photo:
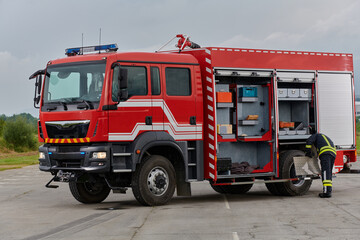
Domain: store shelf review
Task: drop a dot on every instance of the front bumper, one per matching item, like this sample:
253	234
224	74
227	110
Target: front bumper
74	158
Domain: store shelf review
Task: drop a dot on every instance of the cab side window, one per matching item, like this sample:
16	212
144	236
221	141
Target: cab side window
155	81
178	81
137	81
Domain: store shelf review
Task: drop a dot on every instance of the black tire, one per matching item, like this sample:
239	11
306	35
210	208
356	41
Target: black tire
88	192
153	182
272	189
287	170
218	188
232	189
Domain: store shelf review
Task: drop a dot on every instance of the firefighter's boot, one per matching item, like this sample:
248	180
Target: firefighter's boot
325	195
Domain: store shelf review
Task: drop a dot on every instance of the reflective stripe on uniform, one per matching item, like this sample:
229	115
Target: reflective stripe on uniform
308	146
327	148
327	183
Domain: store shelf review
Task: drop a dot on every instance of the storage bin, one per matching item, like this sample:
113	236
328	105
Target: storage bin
248	92
224	97
305	93
224	129
282	92
293	92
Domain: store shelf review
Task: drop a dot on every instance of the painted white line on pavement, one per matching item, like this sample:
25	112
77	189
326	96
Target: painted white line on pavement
226	202
235	236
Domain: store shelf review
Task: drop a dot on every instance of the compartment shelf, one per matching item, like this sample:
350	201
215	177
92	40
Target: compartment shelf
248	122
248	99
306	99
224	105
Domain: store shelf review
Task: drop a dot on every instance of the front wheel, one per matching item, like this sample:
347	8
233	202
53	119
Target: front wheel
153	182
89	192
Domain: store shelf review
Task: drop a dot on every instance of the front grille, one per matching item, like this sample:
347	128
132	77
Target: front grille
65	149
69	163
68	129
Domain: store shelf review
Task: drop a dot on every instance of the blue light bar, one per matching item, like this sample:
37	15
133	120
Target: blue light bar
82	50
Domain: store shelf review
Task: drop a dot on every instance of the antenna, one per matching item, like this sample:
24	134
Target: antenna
82	43
99	39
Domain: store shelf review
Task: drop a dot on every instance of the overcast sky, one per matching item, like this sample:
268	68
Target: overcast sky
32	32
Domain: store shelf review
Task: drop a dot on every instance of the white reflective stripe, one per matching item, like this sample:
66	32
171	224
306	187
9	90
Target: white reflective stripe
208	79
142	127
207	51
176	130
209	89
210	108
211	127
211	136
211	175
208	70
208	60
212	166
211	117
211	156
211	146
210	98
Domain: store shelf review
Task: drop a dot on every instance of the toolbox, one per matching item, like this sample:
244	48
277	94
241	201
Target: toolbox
248	92
224	129
224	97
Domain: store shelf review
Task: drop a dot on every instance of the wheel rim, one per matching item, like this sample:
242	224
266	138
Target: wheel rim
296	183
94	188
158	181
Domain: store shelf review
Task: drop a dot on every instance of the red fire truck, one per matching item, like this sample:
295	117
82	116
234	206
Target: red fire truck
159	121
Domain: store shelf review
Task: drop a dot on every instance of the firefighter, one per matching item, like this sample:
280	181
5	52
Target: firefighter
327	154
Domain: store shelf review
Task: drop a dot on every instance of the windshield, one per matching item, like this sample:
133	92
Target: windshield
76	83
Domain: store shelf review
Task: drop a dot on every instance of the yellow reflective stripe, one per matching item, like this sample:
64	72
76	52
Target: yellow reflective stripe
327	147
326	140
327	181
327	185
327	150
308	146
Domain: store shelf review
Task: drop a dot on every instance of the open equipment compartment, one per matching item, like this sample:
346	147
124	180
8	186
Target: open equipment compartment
249	138
296	104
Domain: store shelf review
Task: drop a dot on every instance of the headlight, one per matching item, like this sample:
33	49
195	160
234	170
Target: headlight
99	155
41	155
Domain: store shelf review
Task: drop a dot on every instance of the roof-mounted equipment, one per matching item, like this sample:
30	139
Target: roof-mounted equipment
81	50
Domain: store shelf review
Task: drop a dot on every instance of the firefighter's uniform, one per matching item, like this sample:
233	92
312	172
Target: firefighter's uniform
327	154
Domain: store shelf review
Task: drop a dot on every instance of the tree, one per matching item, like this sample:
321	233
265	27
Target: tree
19	135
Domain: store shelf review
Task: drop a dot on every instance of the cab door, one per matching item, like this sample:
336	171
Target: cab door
134	115
179	95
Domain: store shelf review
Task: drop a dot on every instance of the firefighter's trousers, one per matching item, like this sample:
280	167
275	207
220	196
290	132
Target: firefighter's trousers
327	164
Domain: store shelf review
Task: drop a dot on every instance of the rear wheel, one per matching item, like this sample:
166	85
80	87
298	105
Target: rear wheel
153	182
287	170
232	189
89	192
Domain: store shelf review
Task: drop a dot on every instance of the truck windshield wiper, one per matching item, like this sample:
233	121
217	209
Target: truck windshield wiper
88	104
54	107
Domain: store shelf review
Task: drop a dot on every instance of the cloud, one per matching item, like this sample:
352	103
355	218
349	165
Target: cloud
16	91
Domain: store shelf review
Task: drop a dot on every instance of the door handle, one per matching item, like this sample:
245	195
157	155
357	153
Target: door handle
148	120
193	120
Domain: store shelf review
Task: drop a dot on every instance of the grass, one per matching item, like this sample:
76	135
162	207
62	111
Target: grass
14	160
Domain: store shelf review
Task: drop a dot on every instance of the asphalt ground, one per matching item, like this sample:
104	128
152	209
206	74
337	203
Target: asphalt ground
30	211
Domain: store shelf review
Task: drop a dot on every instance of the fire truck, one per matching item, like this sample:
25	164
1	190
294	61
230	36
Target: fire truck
156	122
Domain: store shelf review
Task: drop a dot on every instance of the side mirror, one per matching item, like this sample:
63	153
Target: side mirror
122	81
38	85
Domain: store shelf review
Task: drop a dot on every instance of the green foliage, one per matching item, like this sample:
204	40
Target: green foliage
18	134
2	124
